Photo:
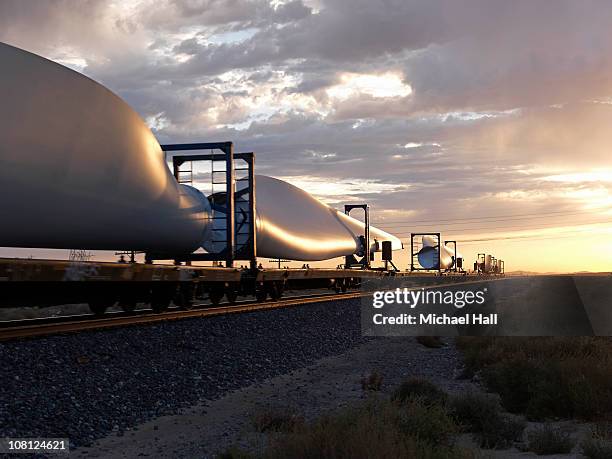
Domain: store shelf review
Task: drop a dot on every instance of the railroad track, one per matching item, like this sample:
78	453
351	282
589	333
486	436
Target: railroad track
67	324
17	329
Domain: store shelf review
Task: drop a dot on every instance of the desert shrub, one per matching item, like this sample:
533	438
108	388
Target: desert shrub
547	389
372	382
549	440
544	377
482	414
598	445
502	432
549	394
374	429
422	389
474	410
535	388
426	422
589	387
596	448
511	381
277	419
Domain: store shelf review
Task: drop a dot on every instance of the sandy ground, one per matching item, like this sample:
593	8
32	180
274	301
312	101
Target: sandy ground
212	426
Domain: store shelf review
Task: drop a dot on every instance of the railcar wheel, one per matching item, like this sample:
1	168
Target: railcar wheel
128	306
275	290
184	297
261	293
281	289
232	296
161	296
215	295
99	306
128	301
159	304
344	285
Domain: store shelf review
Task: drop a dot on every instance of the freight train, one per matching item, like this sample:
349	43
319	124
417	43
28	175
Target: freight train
79	168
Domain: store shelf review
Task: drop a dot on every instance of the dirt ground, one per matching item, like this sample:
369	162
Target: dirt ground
212	426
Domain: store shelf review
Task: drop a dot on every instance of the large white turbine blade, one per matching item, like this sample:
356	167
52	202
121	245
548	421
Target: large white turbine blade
80	169
292	224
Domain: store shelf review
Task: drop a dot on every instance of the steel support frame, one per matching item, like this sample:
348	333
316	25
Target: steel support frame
454	268
365	262
229	255
481	267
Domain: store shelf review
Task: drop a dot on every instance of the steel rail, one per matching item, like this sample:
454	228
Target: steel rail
86	322
50	326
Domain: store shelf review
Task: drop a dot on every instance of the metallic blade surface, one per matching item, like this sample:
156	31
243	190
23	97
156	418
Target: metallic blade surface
80	169
294	225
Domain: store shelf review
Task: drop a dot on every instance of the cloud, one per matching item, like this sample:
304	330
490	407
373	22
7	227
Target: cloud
461	108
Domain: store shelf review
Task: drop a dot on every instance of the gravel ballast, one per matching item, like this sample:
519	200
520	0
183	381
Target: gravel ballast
84	386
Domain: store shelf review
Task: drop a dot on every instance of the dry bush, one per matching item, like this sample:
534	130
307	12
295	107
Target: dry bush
419	388
372	382
598	445
430	423
278	419
596	448
545	377
506	430
418	421
373	429
482	414
474	410
549	440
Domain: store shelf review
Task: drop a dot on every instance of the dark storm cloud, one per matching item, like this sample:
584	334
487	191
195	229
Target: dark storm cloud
167	14
456	55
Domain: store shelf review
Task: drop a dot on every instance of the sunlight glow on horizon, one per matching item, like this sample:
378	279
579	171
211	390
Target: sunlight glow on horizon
599	175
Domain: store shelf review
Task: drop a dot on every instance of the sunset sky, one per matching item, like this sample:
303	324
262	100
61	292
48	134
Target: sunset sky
487	120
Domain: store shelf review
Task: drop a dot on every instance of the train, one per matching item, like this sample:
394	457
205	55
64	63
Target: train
83	170
79	168
101	285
